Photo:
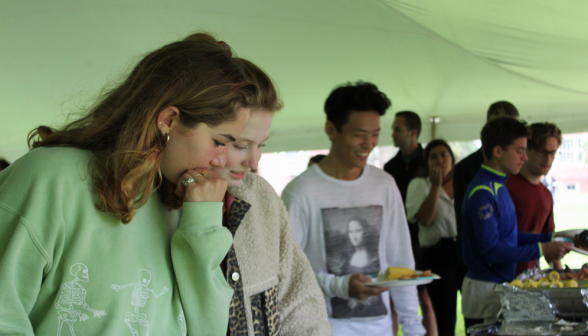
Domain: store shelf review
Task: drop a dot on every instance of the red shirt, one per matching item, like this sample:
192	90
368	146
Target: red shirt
534	207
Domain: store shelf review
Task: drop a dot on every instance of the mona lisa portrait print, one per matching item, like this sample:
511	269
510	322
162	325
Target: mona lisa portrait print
352	239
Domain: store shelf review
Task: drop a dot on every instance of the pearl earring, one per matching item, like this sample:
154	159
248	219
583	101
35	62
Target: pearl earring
165	135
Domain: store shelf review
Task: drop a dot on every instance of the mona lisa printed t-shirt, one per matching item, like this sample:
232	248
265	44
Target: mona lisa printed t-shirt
351	227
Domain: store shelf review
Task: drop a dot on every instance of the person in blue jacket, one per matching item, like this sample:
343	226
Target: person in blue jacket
491	244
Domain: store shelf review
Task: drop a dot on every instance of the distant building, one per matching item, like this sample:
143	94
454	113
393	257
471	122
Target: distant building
570	168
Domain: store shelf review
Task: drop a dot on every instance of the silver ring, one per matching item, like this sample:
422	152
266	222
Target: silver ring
188	181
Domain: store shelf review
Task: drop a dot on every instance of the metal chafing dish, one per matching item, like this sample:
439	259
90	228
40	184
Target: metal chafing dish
561	328
544	304
522	304
539	311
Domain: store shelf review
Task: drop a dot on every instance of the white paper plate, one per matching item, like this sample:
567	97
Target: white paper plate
572	233
381	281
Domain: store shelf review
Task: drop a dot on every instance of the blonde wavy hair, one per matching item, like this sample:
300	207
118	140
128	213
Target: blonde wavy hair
198	75
266	99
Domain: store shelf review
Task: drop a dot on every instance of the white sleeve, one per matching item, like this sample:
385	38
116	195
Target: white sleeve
406	305
299	218
331	285
399	253
415	196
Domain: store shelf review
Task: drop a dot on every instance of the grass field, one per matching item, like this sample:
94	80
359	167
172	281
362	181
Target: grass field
570	212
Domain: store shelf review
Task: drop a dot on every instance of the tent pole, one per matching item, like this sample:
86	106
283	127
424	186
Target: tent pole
434	122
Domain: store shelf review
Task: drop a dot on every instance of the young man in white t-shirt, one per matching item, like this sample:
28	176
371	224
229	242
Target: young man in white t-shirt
349	219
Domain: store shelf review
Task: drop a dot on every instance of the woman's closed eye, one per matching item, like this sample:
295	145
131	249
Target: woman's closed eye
240	147
219	144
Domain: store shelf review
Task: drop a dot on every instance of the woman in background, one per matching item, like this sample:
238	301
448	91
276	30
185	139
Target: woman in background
87	246
276	292
429	202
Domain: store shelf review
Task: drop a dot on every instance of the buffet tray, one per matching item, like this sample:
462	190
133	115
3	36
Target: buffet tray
561	328
523	304
528	302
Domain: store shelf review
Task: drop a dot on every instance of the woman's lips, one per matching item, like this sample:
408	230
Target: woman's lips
237	175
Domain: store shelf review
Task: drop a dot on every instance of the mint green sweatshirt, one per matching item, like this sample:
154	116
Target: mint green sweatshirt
67	268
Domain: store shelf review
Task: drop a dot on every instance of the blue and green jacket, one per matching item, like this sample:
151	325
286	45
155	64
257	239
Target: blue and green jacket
492	246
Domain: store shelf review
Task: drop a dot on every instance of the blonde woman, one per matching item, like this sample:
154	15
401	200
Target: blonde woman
276	292
87	245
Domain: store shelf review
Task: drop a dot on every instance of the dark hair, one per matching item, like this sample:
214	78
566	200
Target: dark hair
501	109
502	132
437	143
316	159
539	134
3	164
198	76
411	120
358	97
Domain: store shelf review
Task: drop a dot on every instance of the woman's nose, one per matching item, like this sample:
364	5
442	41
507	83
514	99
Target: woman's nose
250	162
252	159
219	160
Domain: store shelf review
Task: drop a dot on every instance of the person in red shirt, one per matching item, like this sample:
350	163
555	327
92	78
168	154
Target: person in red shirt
533	202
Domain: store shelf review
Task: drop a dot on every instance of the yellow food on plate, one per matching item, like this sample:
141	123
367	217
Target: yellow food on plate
553	276
529	283
516	283
556	284
570	283
393	273
544	282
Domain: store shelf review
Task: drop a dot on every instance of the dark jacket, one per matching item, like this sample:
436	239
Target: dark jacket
404	173
463	174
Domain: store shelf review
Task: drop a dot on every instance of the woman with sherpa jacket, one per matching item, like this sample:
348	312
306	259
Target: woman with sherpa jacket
276	292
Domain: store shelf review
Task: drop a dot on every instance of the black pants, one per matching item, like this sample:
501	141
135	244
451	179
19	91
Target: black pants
443	259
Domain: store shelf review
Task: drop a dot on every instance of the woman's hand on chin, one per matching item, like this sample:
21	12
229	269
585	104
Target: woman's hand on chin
436	176
208	186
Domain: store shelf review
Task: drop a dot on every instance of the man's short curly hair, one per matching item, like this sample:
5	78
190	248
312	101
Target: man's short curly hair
354	97
539	134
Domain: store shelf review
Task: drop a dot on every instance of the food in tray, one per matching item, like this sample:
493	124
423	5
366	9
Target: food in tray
576	275
517	283
403	273
553	276
552	280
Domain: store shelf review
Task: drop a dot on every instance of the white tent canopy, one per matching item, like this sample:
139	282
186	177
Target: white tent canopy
448	59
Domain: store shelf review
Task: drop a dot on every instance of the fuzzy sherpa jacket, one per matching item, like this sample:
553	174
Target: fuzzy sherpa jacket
276	292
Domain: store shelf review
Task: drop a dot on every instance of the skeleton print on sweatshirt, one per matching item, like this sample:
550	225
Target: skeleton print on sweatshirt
72	298
139	297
